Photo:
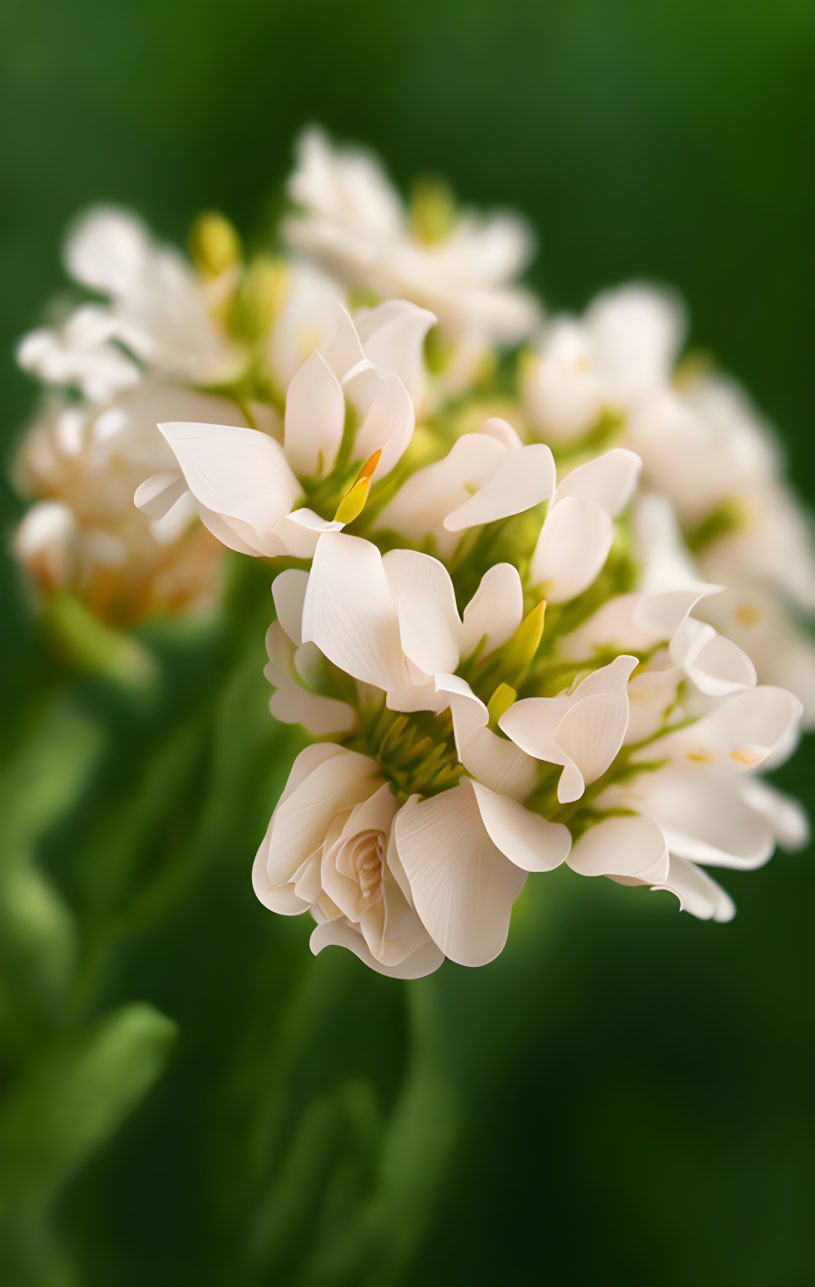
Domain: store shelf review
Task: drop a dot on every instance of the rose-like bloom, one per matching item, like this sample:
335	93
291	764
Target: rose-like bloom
246	484
83	534
351	220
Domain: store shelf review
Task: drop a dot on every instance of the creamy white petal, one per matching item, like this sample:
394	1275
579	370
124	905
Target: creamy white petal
429	624
630	847
428	496
389	417
315	416
495	610
739	734
349	611
493	760
338	933
527	839
572	548
714	664
523	479
462	886
608	480
289	593
343	349
393	336
237	473
697	893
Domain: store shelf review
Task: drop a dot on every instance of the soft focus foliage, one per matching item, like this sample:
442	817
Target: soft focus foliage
311	1122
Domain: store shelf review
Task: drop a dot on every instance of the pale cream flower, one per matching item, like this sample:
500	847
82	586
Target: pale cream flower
328	851
82	464
353	222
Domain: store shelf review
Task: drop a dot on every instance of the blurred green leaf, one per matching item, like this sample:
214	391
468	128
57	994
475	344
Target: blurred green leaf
66	1107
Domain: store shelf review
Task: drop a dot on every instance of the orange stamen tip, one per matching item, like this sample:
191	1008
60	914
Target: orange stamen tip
368	470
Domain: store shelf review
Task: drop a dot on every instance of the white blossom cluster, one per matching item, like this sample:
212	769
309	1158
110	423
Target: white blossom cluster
539	584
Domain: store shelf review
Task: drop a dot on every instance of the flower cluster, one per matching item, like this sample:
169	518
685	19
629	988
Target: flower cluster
536	605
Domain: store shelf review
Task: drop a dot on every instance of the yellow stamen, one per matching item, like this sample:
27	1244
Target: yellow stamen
699	757
353	502
745	758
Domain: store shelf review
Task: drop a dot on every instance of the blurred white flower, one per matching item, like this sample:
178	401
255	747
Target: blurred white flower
83	534
622	350
352	221
700	807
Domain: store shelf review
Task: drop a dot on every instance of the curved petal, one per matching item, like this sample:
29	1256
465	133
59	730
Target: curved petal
349	611
573	546
393	336
528	840
714	664
343	348
289	593
493	760
632	847
315	416
739	734
425	601
423	501
389	417
697	893
523	479
234	472
608	480
461	884
338	933
495	610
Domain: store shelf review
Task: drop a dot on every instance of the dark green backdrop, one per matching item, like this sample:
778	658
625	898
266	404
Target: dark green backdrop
624	1100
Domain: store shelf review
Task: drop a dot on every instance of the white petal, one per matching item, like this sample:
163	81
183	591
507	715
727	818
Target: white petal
502	431
315	416
156	496
523	479
462	886
289	592
608	480
429	624
495	610
636	331
106	251
237	473
343	349
631	847
338	933
393	336
572	548
298	532
714	664
424	500
739	734
697	893
493	760
789	822
349	611
389	418
528	840
301	820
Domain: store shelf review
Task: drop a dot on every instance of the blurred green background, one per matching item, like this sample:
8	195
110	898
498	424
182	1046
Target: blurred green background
186	1096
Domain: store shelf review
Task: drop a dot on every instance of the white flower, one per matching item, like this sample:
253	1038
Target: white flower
304	320
391	621
490	475
699	807
351	220
328	850
582	730
400	888
622	351
82	463
246	484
